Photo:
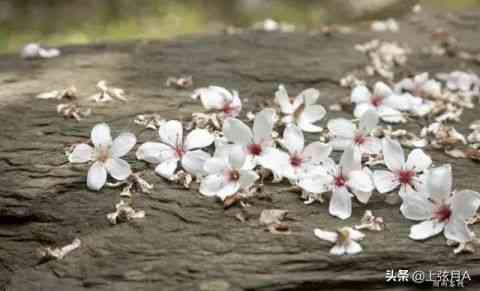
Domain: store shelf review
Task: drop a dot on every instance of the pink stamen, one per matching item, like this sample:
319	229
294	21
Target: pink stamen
442	213
233	175
340	181
406	177
376	101
359	139
296	161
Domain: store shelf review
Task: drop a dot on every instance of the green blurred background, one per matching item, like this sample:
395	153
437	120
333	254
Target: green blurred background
56	22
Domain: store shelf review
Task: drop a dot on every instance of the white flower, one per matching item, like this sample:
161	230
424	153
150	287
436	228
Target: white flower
34	50
302	109
387	104
344	134
301	157
105	154
342	180
420	86
403	174
227	175
172	148
439	209
345	240
219	99
257	144
461	81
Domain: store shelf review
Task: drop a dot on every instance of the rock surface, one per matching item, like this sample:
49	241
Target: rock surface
186	241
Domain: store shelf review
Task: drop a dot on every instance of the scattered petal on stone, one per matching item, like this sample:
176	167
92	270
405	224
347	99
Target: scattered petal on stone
371	222
108	93
35	51
60	253
389	24
72	110
69	93
124	212
456	153
179	83
150	121
183	178
272	216
272	25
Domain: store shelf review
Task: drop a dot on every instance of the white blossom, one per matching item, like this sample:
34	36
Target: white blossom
34	50
342	180
173	149
227	175
219	99
400	173
300	157
302	109
344	240
344	134
461	81
106	155
257	143
418	88
439	209
383	100
107	93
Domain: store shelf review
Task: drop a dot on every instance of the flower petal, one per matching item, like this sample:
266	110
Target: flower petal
439	182
418	161
457	230
228	189
465	204
101	135
382	90
317	152
341	127
215	165
309	96
338	250
425	229
167	168
81	153
237	157
194	161
371	145
118	168
316	183
389	114
198	138
273	159
393	154
310	115
237	132
212	184
353	247
385	181
282	99
247	178
360	94
155	152
369	121
340	203
360	180
123	144
293	139
171	133
263	125
97	176
350	161
416	206
361	108
329	236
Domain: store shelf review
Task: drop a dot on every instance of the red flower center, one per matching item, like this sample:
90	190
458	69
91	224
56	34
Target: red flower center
340	181
227	108
405	177
442	213
376	101
296	161
179	152
359	139
255	149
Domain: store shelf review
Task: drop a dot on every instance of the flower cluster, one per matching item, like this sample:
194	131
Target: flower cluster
227	160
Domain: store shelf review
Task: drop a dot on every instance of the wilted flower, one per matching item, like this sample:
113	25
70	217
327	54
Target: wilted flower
219	99
345	240
301	157
123	213
344	134
106	155
403	174
461	81
439	209
383	101
343	180
172	148
258	144
34	50
420	86
302	109
389	24
371	222
227	175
